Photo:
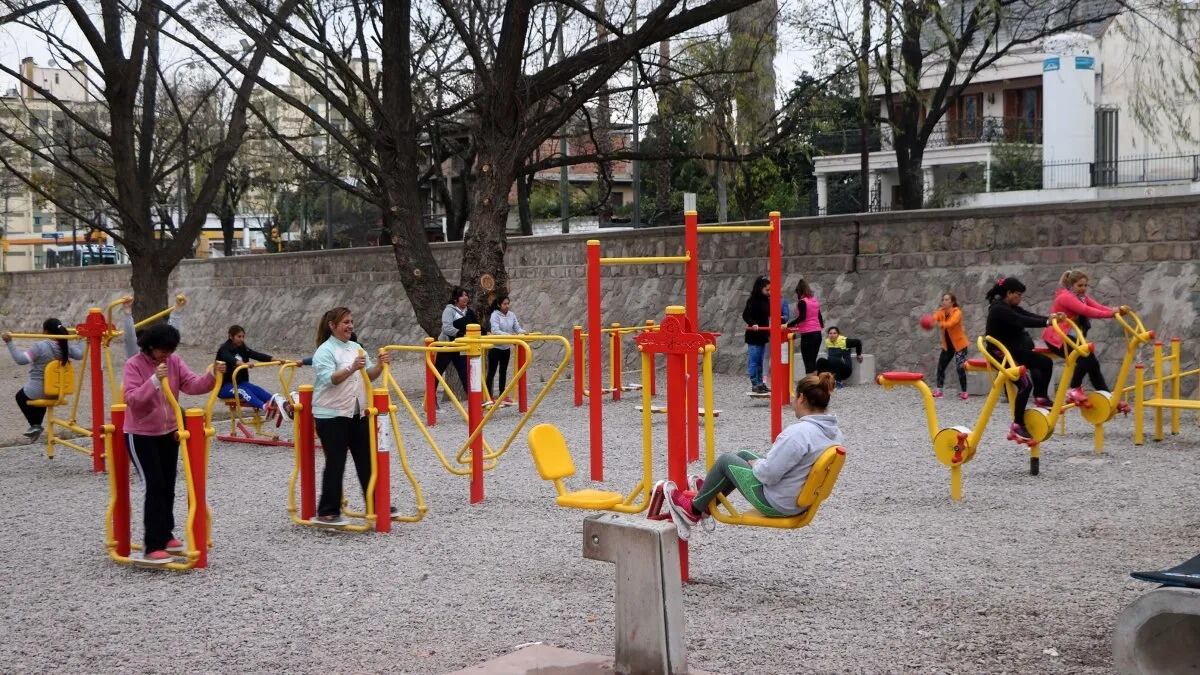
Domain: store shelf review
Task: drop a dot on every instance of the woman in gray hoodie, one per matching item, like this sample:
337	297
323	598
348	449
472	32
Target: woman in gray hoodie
772	483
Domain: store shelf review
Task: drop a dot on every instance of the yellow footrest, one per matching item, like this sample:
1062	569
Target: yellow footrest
590	499
1183	404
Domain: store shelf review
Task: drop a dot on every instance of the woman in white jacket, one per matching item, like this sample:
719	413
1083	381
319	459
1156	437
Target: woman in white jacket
503	322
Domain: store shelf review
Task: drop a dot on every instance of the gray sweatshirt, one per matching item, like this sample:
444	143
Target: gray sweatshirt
449	315
39	355
786	467
129	335
505	324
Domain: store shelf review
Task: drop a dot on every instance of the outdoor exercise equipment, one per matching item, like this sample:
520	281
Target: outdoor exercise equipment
595	332
955	446
194	433
384	439
1040	421
616	333
780	353
1159	402
239	432
113	332
58	387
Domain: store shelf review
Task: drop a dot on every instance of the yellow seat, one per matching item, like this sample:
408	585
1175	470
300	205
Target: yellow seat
553	462
817	488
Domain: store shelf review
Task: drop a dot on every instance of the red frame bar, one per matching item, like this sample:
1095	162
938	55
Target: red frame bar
595	384
383	470
577	345
522	382
781	388
308	486
93	328
430	388
475	416
677	447
197	445
120	473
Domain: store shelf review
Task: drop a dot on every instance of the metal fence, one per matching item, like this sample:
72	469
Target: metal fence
947	133
1145	170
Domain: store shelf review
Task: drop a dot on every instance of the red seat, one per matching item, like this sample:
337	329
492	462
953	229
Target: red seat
900	376
977	363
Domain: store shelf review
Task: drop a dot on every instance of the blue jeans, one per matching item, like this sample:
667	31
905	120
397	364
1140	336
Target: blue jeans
250	393
754	363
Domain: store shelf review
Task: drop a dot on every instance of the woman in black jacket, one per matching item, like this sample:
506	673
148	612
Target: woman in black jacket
233	353
757	316
1008	322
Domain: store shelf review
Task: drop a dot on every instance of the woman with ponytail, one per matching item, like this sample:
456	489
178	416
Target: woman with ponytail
1073	301
771	483
40	354
1007	322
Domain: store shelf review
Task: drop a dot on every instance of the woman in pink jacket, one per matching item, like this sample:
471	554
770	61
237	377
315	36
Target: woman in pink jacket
1073	301
150	429
808	321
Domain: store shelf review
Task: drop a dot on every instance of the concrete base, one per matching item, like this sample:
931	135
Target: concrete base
546	660
1159	633
862	373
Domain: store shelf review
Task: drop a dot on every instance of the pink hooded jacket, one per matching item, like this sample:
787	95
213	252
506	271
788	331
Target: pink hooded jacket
1068	303
147	411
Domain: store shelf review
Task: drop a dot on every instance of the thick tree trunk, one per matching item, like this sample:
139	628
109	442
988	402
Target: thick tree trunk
524	187
912	176
227	235
484	246
150	279
662	167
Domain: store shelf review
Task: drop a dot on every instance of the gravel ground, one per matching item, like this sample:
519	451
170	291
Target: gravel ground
1027	574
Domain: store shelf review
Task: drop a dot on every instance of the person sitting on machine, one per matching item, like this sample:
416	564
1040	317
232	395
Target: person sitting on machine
235	352
40	354
772	483
837	355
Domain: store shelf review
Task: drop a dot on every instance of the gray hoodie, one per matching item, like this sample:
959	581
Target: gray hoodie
786	467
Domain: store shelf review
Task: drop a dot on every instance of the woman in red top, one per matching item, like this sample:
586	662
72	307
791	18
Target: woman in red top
1073	301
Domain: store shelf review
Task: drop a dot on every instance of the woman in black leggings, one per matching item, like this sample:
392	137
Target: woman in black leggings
1007	322
807	321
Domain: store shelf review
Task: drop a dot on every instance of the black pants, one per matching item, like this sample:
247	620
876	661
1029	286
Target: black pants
1039	368
33	415
443	361
497	361
339	435
960	361
841	368
1085	365
810	344
155	459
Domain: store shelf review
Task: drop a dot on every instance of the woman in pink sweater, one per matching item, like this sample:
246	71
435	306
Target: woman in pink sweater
1073	301
150	429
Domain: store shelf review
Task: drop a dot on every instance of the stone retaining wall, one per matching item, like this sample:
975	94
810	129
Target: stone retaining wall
875	275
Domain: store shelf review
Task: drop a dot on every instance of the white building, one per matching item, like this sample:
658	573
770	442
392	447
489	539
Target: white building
1069	107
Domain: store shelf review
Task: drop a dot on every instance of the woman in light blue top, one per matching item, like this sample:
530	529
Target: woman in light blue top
503	322
339	408
40	354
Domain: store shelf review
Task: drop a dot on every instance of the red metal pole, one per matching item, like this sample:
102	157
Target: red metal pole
780	385
474	416
577	345
383	468
430	388
93	328
595	383
691	245
522	382
614	360
676	441
120	477
308	483
197	445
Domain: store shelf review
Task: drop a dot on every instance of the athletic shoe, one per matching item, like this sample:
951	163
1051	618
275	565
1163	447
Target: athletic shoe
1076	396
1019	432
175	546
963	395
33	432
683	500
760	389
695	484
838	384
1123	407
331	521
1042	402
937	393
279	405
158	557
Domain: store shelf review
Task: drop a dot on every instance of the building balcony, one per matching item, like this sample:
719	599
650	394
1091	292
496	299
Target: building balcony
948	133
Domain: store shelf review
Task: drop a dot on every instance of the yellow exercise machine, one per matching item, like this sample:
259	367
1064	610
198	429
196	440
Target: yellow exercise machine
59	384
238	431
1159	402
955	446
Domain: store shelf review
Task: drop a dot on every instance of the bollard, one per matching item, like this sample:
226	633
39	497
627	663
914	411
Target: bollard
1159	633
649	599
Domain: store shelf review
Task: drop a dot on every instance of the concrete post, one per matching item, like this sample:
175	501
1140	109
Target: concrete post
822	194
1159	633
649	592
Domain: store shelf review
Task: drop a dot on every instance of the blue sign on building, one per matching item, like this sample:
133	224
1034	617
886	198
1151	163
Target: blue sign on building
1085	62
1050	64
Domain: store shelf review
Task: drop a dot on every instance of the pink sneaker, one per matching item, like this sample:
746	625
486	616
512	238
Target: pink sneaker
1077	396
695	484
157	557
1042	402
175	546
962	396
937	393
683	499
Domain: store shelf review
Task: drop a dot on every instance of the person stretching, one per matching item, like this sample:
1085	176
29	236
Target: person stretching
1072	300
837	355
1007	322
771	484
40	354
808	321
954	344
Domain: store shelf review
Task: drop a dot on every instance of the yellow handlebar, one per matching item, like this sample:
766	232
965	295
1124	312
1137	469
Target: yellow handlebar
1007	362
1138	330
1076	344
212	397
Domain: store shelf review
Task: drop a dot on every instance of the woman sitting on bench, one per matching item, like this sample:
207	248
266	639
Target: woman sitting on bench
772	483
837	355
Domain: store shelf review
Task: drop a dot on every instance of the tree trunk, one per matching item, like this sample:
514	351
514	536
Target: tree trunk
662	167
150	278
912	175
864	109
484	246
524	187
227	235
722	193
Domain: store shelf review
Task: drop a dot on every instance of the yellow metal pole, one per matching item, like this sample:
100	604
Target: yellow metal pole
1139	400
1099	439
1158	390
709	404
647	260
1176	368
956	482
647	426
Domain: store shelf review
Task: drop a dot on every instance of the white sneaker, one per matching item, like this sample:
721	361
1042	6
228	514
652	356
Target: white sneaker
33	432
281	407
330	521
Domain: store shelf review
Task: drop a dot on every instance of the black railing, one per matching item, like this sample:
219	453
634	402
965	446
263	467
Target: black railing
947	133
1145	170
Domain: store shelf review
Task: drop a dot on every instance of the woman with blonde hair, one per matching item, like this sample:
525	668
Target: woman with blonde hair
1072	300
